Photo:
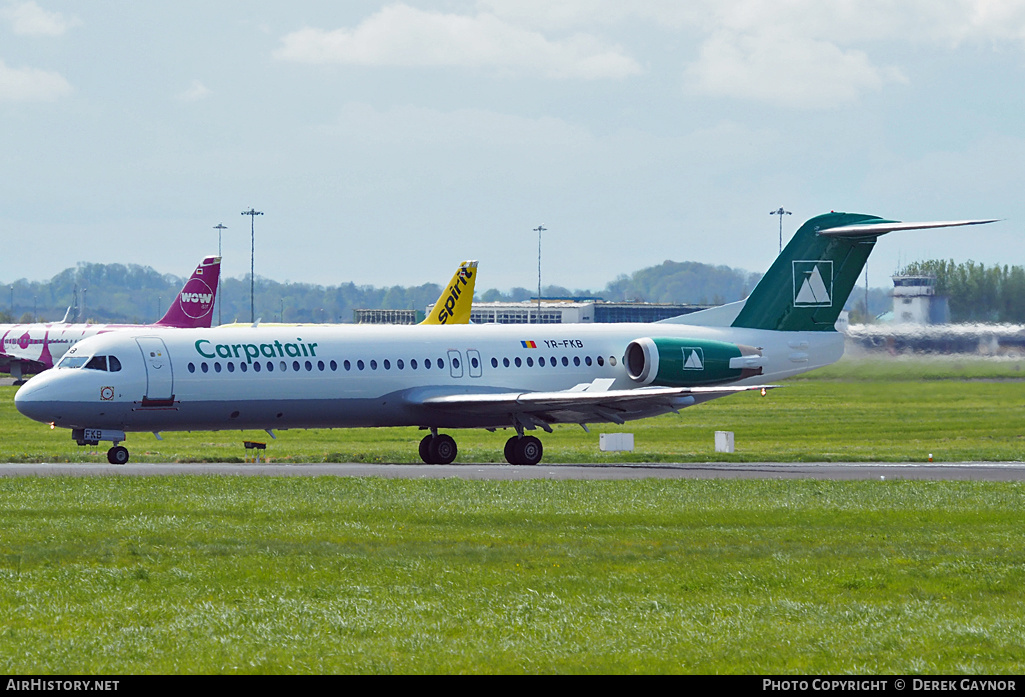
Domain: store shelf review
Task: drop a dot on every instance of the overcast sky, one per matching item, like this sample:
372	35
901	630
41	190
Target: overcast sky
387	141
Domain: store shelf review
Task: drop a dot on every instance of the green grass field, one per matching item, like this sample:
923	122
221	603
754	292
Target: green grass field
202	574
194	574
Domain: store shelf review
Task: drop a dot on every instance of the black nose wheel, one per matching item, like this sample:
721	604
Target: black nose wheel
118	455
523	450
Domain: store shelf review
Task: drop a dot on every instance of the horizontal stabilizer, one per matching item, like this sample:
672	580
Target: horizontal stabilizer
876	229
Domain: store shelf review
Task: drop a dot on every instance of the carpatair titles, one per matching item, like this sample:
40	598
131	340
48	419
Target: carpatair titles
208	349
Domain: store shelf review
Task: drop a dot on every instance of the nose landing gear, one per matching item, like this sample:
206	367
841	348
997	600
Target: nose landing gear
118	455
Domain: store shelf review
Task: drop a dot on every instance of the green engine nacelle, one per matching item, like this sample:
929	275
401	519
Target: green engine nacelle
670	362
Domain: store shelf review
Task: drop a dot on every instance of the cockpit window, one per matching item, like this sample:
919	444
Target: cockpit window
73	361
97	363
91	363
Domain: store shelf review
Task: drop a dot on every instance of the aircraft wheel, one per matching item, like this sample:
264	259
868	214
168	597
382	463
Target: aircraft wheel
425	449
443	449
529	450
526	450
118	455
510	450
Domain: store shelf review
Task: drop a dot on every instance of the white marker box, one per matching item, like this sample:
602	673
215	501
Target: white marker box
724	441
612	442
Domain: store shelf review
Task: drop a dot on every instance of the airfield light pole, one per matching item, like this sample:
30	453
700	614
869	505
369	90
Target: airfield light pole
252	213
780	213
219	227
539	229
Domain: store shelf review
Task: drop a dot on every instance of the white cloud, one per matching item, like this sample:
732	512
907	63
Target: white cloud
196	91
399	35
787	71
569	13
29	19
847	21
998	19
795	53
810	54
842	20
31	84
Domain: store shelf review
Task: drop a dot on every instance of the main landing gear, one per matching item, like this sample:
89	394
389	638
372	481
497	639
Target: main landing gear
523	450
440	449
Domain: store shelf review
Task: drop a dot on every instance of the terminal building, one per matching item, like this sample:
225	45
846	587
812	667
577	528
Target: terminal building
366	316
574	311
552	311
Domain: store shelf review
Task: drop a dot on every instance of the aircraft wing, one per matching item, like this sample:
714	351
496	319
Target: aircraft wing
579	405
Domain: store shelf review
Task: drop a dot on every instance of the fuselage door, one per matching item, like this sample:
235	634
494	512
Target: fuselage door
473	357
455	363
159	379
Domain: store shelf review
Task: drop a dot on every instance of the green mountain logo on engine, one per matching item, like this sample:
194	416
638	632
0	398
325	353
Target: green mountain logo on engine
693	358
813	283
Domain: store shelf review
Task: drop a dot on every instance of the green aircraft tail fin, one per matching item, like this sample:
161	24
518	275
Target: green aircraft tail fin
807	286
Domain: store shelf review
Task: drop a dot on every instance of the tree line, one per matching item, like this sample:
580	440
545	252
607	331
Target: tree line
129	293
133	294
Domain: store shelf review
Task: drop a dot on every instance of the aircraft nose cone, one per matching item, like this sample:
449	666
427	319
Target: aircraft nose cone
32	401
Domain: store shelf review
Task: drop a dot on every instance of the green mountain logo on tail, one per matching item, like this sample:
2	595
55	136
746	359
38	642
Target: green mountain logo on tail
813	283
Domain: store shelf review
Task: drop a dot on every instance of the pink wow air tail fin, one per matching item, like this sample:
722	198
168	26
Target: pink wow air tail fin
194	306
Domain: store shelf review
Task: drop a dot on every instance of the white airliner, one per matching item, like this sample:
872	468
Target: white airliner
522	377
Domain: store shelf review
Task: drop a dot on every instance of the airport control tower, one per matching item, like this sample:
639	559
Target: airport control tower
915	300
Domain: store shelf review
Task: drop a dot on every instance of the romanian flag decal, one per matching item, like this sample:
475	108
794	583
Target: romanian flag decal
528	344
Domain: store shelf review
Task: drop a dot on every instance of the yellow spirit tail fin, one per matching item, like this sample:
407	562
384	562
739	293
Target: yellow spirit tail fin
453	307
